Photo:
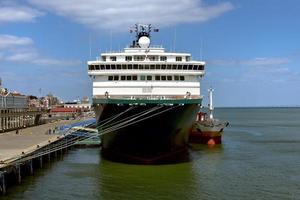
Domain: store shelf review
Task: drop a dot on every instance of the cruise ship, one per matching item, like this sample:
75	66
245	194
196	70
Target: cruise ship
146	100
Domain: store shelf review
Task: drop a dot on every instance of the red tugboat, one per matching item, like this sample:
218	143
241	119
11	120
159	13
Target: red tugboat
206	129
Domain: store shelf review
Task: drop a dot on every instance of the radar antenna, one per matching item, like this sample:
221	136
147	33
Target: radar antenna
142	30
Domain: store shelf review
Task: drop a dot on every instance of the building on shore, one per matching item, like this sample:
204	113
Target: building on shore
84	105
15	112
64	113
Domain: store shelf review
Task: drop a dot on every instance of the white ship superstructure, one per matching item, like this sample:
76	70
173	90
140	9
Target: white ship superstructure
144	71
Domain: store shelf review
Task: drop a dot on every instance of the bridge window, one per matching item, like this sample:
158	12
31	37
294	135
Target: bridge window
179	67
113	58
134	77
139	58
190	67
129	66
163	78
142	78
107	66
149	78
124	66
102	67
181	78
157	67
185	67
113	66
141	66
103	58
174	66
128	78
201	67
163	58
157	78
135	67
153	58
169	78
110	78
176	78
188	58
123	78
178	58
91	67
152	66
163	66
118	66
169	66
195	67
116	78
147	66
128	58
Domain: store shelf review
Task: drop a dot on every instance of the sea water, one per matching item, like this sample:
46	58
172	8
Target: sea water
259	159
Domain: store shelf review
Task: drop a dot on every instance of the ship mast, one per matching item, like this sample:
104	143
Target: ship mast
210	105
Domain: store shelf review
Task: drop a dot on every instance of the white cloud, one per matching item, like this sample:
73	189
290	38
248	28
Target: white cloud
265	62
17	13
10	41
119	14
21	49
253	62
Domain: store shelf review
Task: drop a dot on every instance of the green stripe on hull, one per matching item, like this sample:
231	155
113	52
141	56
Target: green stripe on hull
147	101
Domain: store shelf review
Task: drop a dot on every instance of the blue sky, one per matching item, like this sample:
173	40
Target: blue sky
251	47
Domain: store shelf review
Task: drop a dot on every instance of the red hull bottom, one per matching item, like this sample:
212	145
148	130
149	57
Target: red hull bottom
179	155
209	138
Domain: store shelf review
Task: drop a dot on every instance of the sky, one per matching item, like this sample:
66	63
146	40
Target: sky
251	48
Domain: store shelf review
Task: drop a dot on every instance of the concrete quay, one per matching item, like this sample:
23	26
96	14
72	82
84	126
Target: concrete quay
23	151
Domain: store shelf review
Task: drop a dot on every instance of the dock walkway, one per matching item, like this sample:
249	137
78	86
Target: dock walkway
13	145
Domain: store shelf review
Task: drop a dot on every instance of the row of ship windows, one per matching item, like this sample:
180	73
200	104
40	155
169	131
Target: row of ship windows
146	67
142	58
146	78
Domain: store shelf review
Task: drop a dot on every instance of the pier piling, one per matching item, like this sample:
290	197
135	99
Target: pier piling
31	167
41	161
2	183
18	173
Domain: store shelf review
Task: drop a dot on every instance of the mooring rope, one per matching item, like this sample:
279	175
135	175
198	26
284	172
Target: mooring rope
67	142
130	117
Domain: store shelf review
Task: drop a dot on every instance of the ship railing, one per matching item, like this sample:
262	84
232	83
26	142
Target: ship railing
151	46
149	97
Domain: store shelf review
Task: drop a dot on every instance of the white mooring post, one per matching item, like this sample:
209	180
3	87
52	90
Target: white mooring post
211	107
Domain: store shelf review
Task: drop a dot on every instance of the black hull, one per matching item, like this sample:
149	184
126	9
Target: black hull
158	139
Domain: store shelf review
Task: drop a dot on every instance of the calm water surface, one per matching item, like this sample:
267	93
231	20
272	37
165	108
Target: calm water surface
259	159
